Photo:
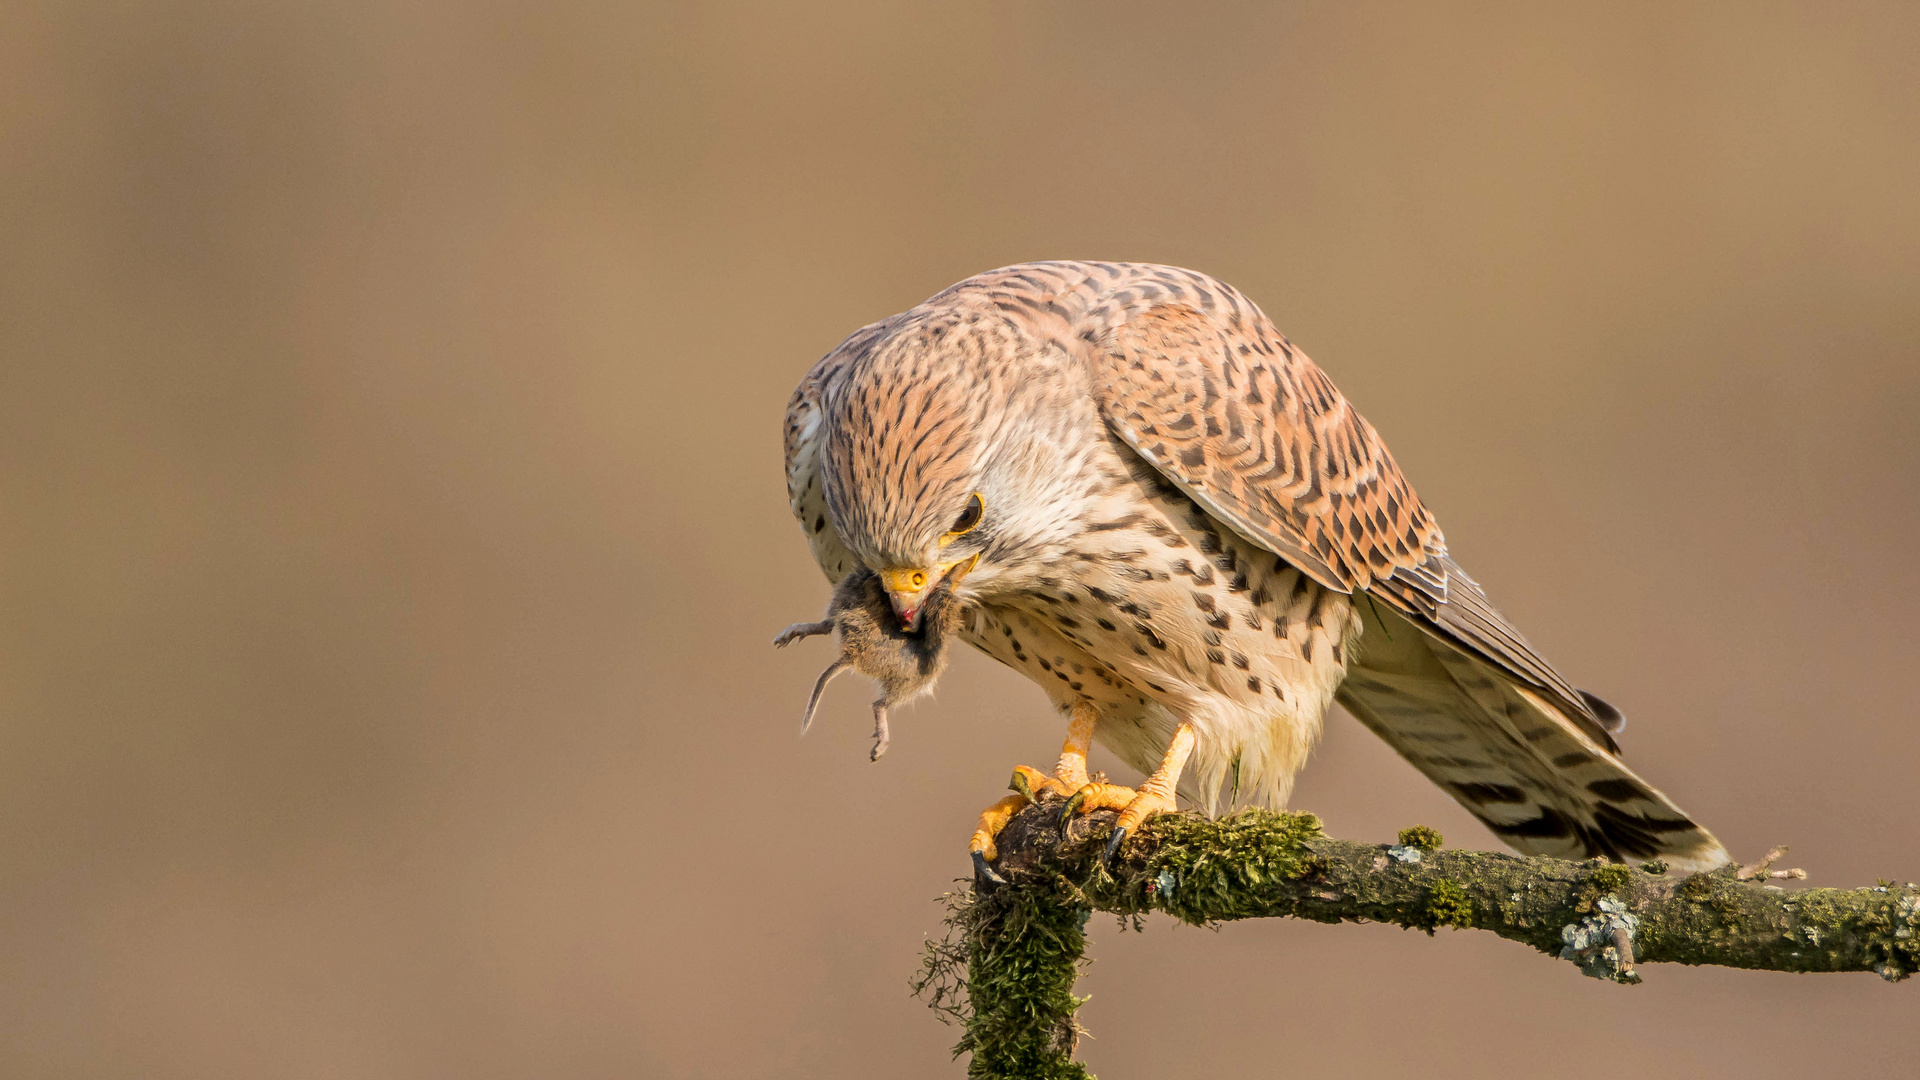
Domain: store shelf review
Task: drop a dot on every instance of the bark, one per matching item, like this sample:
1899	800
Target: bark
1020	944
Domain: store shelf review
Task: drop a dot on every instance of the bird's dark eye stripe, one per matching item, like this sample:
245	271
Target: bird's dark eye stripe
970	516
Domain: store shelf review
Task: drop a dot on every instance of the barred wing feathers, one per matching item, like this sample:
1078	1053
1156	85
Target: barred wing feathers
1256	434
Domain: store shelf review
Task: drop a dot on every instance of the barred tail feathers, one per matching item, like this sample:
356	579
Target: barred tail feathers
1513	760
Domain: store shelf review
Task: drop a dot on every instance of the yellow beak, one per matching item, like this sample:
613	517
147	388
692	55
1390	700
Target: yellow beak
908	587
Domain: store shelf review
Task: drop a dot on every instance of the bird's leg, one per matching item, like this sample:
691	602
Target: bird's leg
1071	771
1154	797
800	630
1083	794
1029	784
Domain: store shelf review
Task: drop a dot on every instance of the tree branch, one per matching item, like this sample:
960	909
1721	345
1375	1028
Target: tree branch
1020	944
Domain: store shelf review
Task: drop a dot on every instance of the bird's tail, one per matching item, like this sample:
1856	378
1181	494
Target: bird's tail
1516	762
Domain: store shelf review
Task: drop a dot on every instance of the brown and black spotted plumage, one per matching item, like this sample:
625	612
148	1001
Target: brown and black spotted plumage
1186	526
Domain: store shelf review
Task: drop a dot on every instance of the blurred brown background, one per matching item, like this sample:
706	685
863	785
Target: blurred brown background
392	526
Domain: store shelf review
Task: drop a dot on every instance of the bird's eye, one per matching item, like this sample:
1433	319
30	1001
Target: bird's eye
969	517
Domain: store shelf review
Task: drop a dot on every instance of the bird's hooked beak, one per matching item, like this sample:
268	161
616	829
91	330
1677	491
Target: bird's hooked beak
909	587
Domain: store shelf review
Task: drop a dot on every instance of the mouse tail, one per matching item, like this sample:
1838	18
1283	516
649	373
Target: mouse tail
819	688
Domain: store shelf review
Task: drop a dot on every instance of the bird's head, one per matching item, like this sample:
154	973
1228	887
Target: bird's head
919	542
941	469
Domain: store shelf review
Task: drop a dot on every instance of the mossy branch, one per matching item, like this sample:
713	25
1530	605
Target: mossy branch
1020	944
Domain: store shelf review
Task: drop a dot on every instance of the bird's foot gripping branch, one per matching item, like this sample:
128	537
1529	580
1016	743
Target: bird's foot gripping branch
1007	967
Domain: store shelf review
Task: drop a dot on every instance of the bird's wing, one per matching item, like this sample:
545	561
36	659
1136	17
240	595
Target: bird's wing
1256	433
1252	430
805	433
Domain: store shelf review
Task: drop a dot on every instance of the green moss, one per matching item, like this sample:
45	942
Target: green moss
1021	944
1697	888
1024	945
1203	871
1007	968
942	979
1424	837
1612	878
1890	925
1447	905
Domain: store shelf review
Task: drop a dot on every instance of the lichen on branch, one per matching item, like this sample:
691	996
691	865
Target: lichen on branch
1022	943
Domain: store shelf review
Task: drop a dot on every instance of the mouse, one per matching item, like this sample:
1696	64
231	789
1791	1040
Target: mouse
873	643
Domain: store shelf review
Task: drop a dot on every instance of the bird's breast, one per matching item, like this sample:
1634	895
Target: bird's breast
1158	599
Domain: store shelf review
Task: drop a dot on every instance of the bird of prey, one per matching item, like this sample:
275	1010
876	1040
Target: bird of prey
1153	505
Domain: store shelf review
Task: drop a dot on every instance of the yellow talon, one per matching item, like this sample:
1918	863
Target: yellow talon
1033	783
1143	806
1030	784
1095	796
992	820
1098	796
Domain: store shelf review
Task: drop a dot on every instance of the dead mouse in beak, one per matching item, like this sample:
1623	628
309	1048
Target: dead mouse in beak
873	643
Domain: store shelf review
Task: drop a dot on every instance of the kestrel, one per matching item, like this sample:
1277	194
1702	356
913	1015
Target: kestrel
1150	503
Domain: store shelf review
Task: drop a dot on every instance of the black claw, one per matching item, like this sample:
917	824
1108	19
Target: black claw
983	871
1113	844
